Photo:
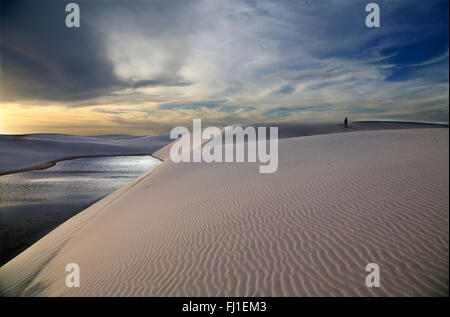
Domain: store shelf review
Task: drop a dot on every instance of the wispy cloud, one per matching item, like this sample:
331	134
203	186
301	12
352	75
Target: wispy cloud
248	61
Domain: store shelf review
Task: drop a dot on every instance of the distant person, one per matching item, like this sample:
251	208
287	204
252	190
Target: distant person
345	123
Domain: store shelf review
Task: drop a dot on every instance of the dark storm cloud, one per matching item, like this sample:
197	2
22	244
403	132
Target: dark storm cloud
42	59
168	82
220	105
241	58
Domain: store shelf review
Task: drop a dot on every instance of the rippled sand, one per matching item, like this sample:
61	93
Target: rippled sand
336	203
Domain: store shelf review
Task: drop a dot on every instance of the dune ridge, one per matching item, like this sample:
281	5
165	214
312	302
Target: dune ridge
336	203
21	153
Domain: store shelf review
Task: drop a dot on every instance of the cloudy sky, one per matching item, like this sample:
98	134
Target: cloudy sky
143	67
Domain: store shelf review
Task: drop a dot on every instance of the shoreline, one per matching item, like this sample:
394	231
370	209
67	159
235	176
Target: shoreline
52	163
23	223
285	130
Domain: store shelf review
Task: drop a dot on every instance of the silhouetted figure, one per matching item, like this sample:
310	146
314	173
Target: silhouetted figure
345	123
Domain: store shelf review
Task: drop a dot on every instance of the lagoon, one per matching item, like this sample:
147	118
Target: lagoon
35	202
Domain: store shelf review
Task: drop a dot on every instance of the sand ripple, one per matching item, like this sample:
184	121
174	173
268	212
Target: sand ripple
336	203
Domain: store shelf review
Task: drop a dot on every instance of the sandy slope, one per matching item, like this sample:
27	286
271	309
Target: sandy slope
336	203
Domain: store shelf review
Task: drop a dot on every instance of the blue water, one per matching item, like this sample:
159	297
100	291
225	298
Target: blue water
78	181
33	203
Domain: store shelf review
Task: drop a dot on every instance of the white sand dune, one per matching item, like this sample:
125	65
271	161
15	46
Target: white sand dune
25	152
296	129
336	203
33	151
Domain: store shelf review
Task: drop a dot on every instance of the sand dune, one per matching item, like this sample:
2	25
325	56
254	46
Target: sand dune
336	203
31	151
296	129
34	151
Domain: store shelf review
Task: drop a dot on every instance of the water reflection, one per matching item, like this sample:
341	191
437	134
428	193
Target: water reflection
75	181
33	203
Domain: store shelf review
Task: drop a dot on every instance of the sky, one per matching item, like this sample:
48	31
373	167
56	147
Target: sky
145	67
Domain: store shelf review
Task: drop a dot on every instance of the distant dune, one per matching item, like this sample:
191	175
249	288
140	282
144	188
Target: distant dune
296	129
20	153
337	202
34	151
